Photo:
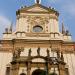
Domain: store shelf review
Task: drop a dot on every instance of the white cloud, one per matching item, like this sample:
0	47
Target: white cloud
4	22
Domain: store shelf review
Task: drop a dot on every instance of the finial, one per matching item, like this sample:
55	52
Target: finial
38	1
63	28
67	32
6	30
11	27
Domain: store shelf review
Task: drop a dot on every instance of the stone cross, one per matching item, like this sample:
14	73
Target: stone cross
38	1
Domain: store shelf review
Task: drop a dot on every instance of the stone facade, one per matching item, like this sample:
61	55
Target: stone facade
37	45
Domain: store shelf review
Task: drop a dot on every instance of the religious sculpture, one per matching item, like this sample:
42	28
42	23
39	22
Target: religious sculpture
16	53
38	51
58	54
48	53
29	52
62	58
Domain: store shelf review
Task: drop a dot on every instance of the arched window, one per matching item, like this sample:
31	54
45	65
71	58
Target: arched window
22	74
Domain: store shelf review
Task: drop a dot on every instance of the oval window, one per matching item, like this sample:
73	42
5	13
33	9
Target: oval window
37	28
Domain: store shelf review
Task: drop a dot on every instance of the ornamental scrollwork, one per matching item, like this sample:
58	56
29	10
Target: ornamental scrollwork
37	20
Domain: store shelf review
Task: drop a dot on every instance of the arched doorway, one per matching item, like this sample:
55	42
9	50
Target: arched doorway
22	74
39	72
52	74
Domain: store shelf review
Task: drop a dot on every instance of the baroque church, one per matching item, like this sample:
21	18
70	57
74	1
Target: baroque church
37	47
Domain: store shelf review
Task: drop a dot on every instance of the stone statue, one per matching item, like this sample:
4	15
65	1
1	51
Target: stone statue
58	54
38	51
29	52
16	53
48	53
62	58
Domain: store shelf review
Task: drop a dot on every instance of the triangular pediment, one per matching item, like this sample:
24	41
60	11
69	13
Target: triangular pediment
36	8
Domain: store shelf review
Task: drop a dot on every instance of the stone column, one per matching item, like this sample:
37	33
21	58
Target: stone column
48	67
15	69
28	68
61	69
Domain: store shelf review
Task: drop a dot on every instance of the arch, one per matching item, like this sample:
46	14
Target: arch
22	74
39	72
53	73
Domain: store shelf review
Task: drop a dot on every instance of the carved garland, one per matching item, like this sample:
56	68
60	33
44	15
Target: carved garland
37	20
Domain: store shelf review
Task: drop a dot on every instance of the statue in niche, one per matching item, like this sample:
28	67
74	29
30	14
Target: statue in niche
38	51
19	52
29	54
48	53
62	58
58	54
16	53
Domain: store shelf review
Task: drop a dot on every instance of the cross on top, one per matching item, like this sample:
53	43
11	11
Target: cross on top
38	1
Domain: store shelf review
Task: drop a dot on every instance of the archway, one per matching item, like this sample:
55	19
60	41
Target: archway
52	74
39	72
22	74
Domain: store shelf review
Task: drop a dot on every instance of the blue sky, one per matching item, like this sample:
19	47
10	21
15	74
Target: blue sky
66	9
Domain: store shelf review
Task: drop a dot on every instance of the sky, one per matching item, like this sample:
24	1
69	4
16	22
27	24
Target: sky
66	8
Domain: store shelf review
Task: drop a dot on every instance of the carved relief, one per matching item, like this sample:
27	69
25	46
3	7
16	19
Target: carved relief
37	20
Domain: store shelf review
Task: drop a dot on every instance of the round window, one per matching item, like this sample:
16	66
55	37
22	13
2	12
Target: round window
37	28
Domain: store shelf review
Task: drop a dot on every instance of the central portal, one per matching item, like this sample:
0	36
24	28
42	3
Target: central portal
39	72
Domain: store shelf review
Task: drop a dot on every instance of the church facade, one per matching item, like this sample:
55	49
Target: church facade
37	47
